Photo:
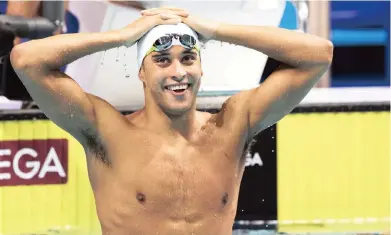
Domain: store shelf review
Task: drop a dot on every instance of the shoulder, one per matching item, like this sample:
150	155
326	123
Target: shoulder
235	106
233	113
105	112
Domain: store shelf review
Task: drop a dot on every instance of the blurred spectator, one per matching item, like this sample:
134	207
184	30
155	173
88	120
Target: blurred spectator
29	9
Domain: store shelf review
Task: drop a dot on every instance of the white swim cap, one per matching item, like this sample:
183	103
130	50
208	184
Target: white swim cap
145	43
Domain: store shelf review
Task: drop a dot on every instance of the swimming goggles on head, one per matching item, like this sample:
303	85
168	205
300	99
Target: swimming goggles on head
165	42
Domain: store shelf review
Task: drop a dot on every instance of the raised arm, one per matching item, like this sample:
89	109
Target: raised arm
304	59
37	64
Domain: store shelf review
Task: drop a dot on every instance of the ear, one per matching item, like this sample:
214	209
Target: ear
201	67
202	70
141	74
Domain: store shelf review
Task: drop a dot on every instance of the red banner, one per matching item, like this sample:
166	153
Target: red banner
33	162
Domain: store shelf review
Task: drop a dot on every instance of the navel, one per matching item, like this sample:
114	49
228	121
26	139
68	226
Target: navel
141	198
224	200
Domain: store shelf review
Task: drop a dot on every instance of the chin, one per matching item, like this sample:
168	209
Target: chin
179	110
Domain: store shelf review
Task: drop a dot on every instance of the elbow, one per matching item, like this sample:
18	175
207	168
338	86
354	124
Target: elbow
19	57
328	51
322	55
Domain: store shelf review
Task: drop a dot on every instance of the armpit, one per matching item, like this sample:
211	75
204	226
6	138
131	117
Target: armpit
94	145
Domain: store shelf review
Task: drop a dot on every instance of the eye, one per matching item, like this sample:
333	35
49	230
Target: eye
162	60
188	58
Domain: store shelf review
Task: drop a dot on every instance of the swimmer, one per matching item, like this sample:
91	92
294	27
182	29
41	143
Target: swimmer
167	168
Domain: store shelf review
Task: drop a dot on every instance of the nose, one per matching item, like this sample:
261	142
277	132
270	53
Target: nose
178	72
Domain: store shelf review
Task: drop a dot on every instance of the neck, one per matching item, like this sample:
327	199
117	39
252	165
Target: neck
183	124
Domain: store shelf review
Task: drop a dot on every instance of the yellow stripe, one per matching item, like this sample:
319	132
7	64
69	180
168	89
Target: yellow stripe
334	166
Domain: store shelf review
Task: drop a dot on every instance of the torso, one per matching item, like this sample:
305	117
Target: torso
152	183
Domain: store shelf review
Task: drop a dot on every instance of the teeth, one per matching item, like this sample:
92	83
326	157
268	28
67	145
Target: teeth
177	87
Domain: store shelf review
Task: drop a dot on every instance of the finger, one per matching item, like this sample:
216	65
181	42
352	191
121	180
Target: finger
178	13
165	8
172	21
148	13
182	13
172	8
166	16
152	12
161	9
149	9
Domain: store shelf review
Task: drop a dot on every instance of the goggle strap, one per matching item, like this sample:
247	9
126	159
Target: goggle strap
152	49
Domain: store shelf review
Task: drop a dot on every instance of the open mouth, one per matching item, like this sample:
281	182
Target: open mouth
177	88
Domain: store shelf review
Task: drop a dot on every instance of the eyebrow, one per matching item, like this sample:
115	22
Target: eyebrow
190	52
159	54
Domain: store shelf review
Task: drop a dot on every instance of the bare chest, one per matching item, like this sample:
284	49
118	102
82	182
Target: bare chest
169	175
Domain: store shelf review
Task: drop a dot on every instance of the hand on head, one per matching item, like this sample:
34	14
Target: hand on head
168	15
151	18
166	12
205	28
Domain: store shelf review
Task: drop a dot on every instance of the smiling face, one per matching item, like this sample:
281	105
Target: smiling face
172	79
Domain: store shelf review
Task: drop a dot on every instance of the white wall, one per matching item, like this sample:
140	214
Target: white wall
91	15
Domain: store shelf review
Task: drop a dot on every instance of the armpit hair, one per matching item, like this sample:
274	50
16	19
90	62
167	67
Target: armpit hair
247	147
95	145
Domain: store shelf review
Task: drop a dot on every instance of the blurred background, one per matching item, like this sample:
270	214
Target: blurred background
325	168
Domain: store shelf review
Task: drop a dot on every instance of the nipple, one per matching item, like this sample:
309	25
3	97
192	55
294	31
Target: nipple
225	198
140	197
